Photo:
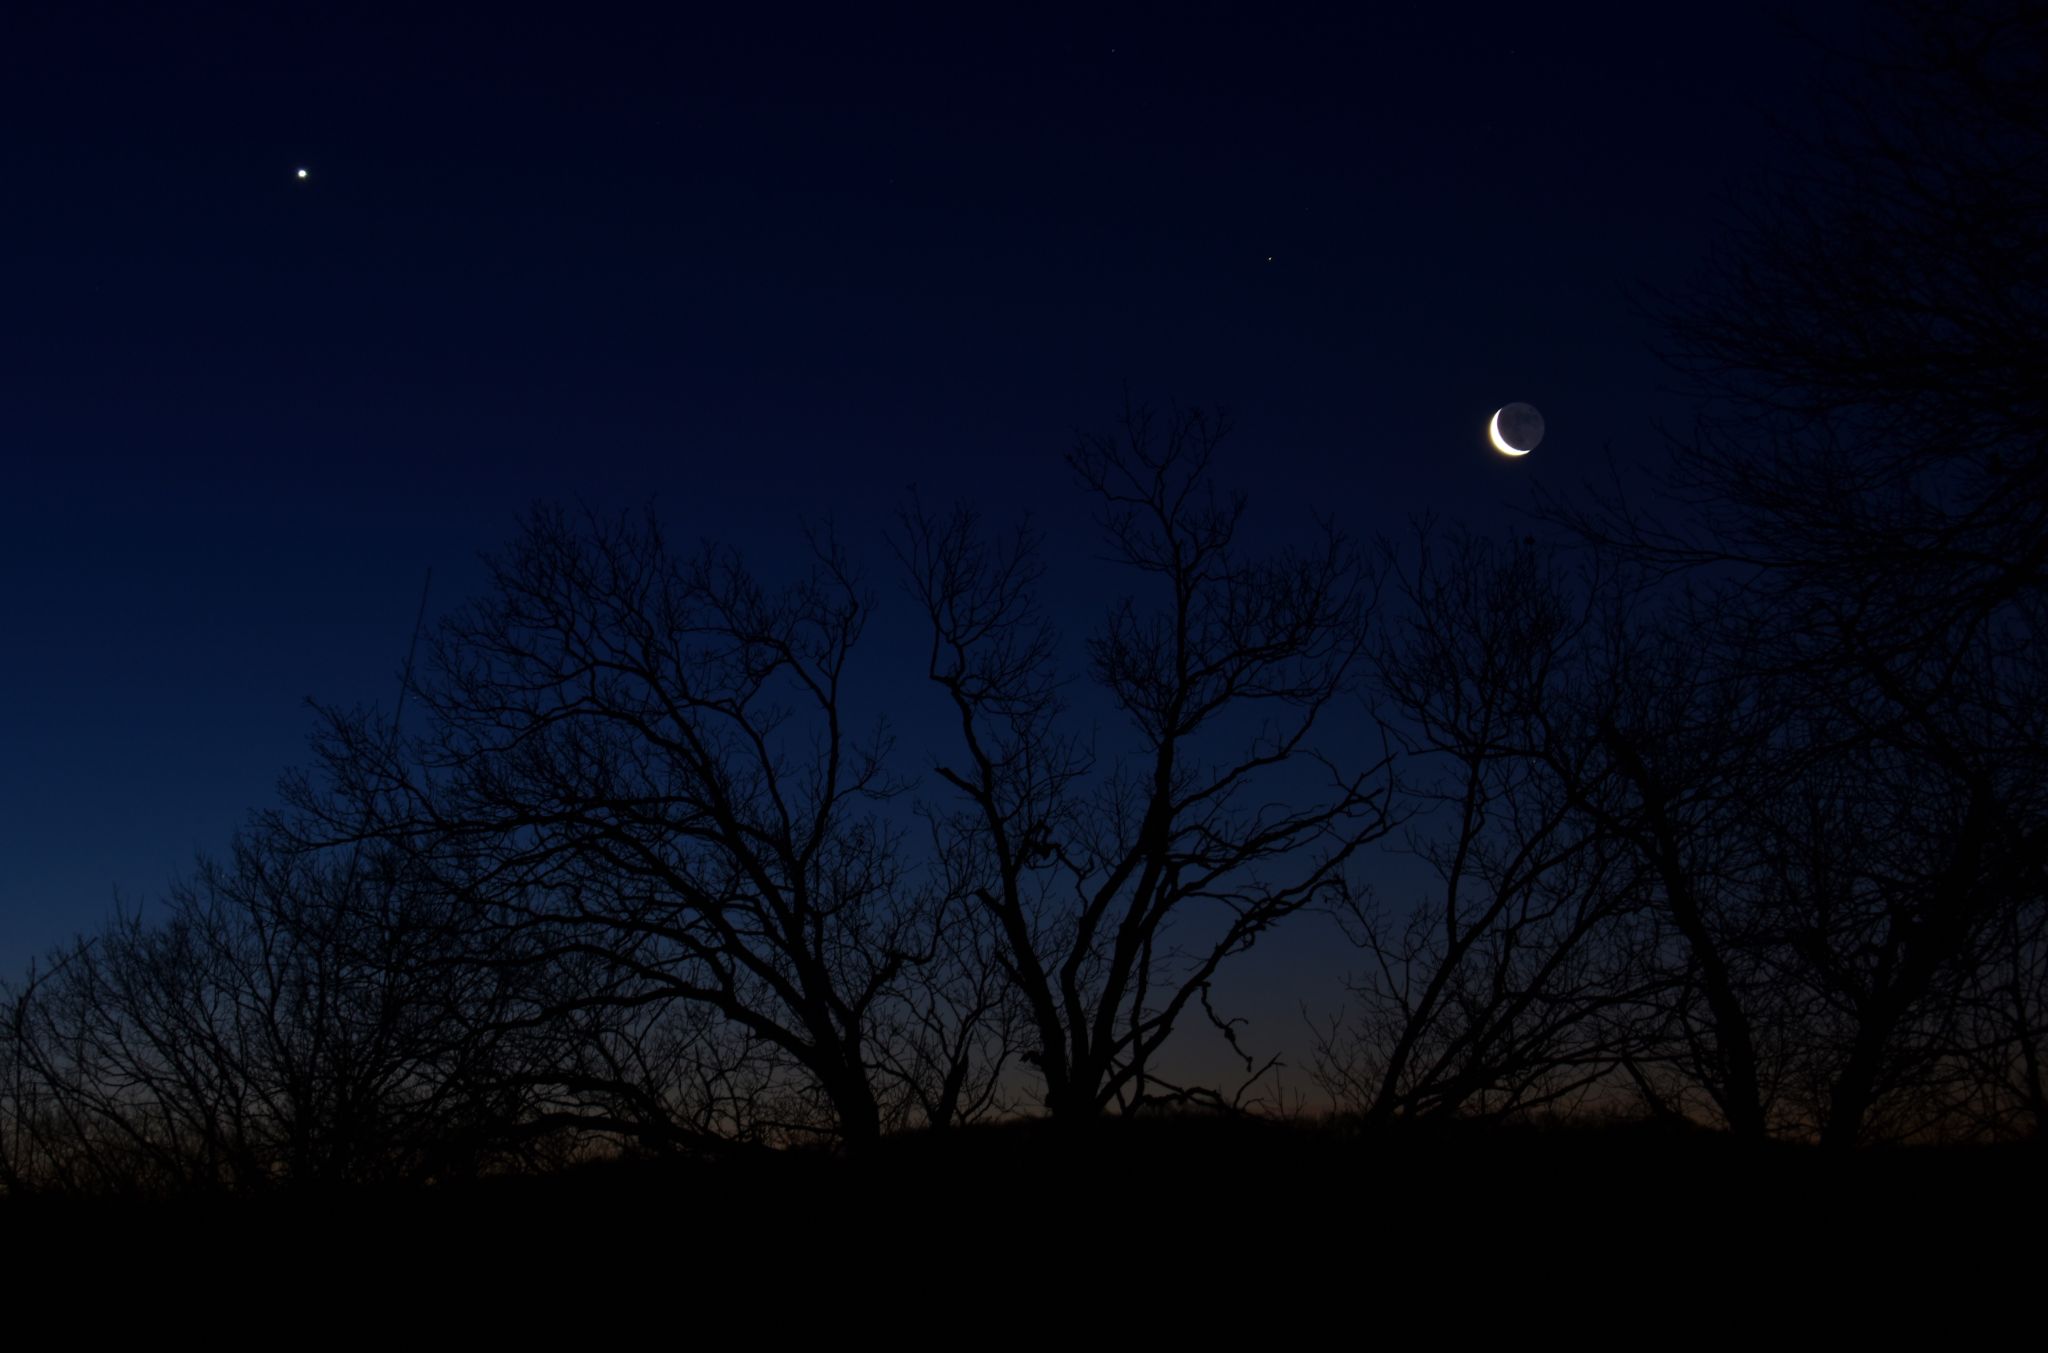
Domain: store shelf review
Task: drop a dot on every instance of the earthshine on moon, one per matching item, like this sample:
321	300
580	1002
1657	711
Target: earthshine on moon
1515	429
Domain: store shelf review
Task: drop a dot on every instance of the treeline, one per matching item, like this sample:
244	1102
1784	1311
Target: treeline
634	872
1735	797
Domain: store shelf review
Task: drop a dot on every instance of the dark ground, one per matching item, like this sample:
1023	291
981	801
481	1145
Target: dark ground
1217	1233
1203	1170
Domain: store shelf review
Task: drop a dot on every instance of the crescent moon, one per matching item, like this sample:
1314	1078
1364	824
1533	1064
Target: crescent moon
1499	442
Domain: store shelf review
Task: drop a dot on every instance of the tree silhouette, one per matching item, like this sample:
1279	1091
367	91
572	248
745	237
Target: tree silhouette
1116	891
646	758
1868	495
294	1019
1687	752
1522	982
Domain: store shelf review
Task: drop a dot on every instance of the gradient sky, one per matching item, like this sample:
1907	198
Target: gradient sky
761	269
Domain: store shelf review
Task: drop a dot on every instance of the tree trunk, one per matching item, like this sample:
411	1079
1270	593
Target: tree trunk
860	1118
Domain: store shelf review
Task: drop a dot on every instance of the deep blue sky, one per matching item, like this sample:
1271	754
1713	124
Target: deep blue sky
756	269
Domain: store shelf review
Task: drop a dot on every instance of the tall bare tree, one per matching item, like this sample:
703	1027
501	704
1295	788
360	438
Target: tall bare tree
1867	496
646	757
1118	884
1521	980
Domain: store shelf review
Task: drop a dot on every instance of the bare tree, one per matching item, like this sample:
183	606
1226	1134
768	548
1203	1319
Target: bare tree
1867	513
1686	752
1116	887
645	757
293	1018
108	1097
1891	881
1520	982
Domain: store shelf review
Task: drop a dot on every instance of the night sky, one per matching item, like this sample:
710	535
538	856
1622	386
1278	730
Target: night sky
760	270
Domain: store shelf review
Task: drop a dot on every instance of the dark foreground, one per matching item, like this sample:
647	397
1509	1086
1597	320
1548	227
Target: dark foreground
1212	1232
1028	1174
